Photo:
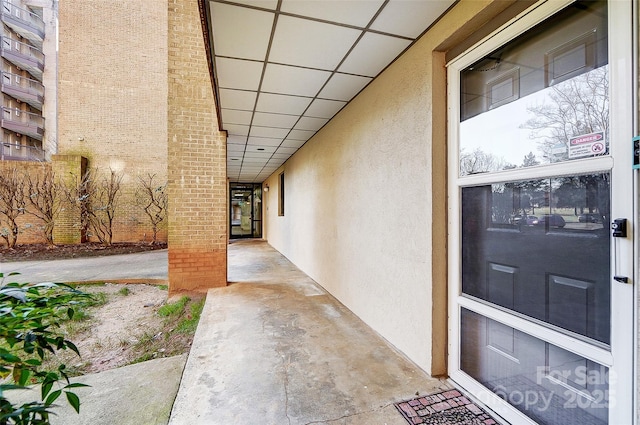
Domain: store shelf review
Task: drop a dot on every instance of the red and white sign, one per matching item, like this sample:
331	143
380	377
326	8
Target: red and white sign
587	145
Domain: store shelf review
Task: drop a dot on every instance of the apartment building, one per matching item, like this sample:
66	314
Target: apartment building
24	41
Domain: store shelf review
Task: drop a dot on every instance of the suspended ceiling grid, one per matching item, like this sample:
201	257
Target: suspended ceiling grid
284	68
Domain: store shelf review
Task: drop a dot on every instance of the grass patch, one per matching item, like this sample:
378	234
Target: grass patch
190	322
180	322
174	309
163	287
124	291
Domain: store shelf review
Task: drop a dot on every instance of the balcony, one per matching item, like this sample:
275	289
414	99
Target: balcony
14	152
24	89
22	122
23	21
23	56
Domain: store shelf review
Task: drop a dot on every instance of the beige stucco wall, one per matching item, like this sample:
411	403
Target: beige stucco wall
365	198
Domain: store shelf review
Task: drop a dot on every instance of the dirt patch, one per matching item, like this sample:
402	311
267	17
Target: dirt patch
40	252
125	327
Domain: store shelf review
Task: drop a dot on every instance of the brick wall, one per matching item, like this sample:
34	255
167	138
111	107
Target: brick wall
28	224
197	170
69	169
66	228
112	95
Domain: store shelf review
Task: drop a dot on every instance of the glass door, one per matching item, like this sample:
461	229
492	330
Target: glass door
541	293
246	211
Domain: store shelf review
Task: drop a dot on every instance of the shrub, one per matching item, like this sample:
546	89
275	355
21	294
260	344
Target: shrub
30	315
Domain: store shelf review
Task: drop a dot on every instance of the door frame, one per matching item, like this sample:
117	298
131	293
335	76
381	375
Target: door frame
624	200
254	222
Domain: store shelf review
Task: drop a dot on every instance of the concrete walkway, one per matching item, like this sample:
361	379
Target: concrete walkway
142	265
274	348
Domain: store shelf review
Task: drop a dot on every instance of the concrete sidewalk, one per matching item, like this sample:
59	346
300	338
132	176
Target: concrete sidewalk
142	265
276	349
271	348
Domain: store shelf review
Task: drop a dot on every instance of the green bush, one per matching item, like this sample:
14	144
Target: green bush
30	317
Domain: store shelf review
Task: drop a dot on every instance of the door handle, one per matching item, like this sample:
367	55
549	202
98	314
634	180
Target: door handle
619	227
619	230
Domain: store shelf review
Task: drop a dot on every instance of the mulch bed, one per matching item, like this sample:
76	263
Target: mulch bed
38	252
448	407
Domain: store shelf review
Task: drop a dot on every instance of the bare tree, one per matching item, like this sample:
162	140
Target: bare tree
152	199
12	204
42	195
103	196
577	106
480	161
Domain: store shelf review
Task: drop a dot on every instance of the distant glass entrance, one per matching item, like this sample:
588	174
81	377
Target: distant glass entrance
246	210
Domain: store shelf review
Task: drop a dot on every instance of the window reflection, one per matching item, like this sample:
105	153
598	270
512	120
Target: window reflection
541	248
543	381
572	202
542	98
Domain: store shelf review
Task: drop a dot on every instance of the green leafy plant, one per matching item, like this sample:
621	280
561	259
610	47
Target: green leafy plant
30	317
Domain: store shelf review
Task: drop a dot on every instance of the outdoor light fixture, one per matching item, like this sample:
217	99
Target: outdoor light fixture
266	188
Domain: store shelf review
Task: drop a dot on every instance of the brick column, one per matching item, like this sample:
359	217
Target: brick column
196	160
69	169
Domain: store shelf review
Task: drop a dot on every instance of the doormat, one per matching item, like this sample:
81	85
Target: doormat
448	407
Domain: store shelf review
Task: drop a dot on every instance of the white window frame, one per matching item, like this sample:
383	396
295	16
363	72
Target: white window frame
624	338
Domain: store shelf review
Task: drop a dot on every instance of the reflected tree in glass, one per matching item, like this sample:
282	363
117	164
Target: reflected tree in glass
571	108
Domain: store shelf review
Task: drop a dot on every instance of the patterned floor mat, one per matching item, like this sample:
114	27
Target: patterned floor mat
449	407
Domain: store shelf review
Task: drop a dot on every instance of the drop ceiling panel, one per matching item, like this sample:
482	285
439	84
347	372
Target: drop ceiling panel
233	116
293	80
322	108
282	104
254	161
236	140
235	149
263	141
237	130
259	151
250	169
290	143
301	135
238	99
322	45
279	157
284	68
274	120
344	86
409	18
262	155
309	123
289	151
357	13
372	54
238	74
262	4
280	133
241	32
